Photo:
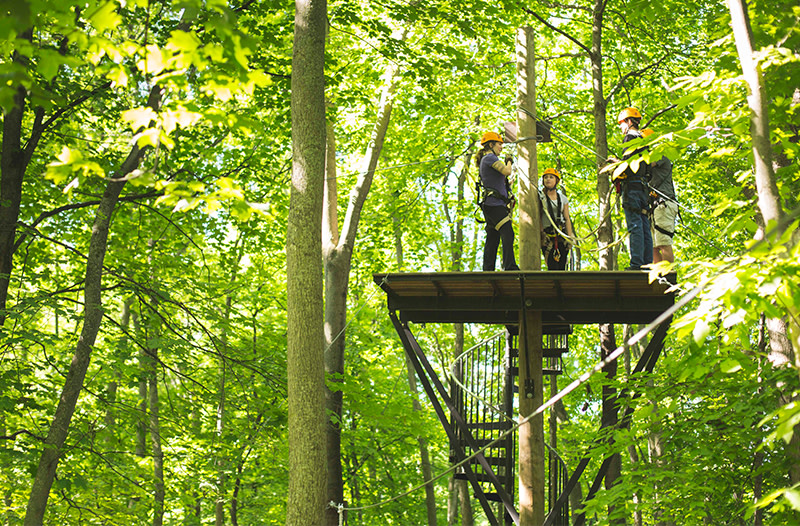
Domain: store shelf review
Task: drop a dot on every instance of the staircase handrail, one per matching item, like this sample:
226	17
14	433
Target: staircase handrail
452	376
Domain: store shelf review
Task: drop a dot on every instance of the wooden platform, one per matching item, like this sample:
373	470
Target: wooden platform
497	297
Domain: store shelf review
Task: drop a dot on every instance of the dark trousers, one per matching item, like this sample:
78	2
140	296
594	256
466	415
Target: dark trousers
494	215
634	203
555	250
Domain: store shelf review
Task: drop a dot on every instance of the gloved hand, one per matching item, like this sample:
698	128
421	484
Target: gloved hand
509	159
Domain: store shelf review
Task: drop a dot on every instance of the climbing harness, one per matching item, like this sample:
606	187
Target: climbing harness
552	247
586	375
484	192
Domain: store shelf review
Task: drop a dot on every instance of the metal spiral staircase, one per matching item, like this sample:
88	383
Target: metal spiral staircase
483	387
478	407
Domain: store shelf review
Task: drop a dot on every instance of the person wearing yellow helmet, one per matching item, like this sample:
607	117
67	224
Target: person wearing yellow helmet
635	192
664	207
497	202
555	219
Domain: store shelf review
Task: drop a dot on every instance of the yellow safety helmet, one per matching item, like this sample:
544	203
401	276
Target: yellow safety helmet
628	113
552	171
490	136
647	132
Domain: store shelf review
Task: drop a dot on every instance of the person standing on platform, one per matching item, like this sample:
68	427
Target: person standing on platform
555	218
664	206
635	193
497	202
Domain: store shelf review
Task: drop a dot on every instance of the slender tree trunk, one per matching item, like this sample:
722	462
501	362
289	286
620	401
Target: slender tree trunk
155	441
425	463
767	189
608	261
219	505
142	401
92	318
782	345
12	171
305	338
110	420
235	498
458	490
337	254
222	461
14	161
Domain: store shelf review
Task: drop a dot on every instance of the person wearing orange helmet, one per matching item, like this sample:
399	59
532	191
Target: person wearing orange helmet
663	206
635	193
555	219
497	203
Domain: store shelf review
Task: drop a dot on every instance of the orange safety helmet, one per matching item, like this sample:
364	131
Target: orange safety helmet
552	171
490	136
628	113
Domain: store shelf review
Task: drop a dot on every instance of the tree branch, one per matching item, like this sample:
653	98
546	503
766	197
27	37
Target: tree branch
74	206
658	113
621	82
557	30
13	436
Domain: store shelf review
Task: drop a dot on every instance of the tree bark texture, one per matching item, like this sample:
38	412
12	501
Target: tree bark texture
337	254
605	234
781	343
91	325
305	339
92	318
767	189
530	241
12	168
14	160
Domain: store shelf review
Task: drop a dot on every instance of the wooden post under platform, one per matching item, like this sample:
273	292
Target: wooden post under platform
531	382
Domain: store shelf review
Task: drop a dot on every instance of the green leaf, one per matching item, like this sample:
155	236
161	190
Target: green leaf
730	366
104	16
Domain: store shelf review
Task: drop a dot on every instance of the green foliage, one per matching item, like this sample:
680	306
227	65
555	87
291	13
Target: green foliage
196	268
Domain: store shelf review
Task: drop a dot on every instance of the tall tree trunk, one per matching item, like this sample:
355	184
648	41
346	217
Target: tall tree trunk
142	401
337	254
305	338
608	341
14	161
155	441
222	461
110	420
92	318
781	345
767	189
219	502
13	164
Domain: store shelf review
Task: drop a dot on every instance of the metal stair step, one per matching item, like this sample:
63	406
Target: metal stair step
553	352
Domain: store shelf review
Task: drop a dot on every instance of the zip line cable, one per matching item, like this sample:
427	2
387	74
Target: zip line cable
583	378
681	207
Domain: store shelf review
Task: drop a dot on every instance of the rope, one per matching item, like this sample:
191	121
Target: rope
701	219
598	367
583	378
352	318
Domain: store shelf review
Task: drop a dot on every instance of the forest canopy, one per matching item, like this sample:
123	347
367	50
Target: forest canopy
149	174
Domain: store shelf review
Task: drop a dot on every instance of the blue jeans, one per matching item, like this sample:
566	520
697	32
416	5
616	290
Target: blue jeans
641	241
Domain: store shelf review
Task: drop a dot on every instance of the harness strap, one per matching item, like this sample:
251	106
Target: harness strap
491	192
502	222
663	230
